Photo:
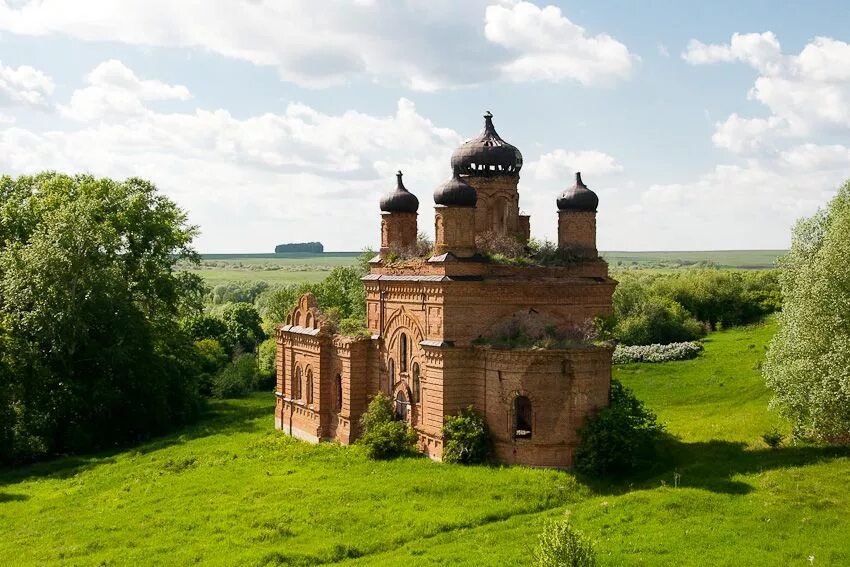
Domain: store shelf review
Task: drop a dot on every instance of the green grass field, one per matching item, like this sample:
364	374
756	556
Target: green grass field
232	491
299	268
741	259
271	268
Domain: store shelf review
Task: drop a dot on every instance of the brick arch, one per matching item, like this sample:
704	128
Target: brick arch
403	388
512	417
401	321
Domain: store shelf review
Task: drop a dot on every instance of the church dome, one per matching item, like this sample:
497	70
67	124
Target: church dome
487	154
578	198
401	200
455	193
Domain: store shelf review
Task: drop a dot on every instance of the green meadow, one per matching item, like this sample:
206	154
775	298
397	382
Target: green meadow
310	268
231	490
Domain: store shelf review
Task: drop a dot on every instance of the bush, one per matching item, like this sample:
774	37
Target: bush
267	364
467	438
212	359
383	437
506	246
237	379
656	320
625	354
619	437
561	545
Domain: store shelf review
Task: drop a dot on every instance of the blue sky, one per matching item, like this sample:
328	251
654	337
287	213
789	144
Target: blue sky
700	125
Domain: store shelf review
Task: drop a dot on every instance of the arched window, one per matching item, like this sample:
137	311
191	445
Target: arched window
309	386
392	373
522	418
417	388
339	392
296	384
402	354
308	322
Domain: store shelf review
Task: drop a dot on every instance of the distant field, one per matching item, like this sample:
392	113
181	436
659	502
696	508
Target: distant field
299	268
741	259
272	268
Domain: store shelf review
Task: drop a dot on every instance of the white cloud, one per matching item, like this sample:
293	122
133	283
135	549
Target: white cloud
761	50
24	85
114	90
560	164
425	45
747	135
806	94
253	182
547	46
752	205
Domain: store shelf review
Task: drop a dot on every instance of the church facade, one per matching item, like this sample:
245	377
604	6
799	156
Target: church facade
441	327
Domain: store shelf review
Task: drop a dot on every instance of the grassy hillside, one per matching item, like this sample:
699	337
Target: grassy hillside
230	490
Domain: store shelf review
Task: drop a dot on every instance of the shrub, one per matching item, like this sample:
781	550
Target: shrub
383	437
237	379
212	359
561	545
266	364
506	246
624	354
656	320
619	437
467	438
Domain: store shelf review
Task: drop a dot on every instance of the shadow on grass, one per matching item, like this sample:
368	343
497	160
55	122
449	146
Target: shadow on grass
220	417
712	466
6	497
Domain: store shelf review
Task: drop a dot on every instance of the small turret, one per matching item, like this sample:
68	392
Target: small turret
454	218
577	220
398	219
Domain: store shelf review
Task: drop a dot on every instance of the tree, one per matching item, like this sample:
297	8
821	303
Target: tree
92	352
808	362
244	326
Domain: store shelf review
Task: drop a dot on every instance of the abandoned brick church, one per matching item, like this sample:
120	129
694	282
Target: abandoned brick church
438	326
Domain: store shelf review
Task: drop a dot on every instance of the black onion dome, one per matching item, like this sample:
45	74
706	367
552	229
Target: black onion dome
455	193
488	154
578	198
401	200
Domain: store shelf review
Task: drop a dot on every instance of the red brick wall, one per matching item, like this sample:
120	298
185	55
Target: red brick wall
577	232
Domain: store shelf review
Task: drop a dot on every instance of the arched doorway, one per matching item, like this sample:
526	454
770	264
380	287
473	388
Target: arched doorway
402	406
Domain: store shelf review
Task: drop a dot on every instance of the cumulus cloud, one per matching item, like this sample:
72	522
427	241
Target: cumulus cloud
731	206
806	94
562	164
24	85
248	182
424	45
114	90
547	46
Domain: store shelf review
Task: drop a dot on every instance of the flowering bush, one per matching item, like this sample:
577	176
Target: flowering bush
625	354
